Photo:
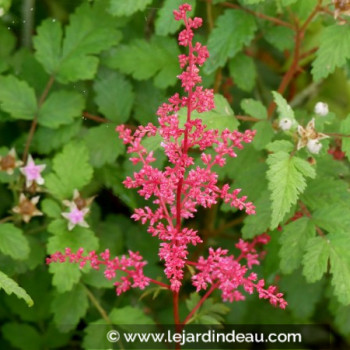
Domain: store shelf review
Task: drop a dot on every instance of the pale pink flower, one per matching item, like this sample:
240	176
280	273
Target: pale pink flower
76	216
32	172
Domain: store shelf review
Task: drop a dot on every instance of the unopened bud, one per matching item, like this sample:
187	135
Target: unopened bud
314	146
321	109
285	124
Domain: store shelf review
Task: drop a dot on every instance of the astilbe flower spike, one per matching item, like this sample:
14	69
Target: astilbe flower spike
177	191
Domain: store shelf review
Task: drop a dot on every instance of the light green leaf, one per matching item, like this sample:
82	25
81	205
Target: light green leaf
8	42
90	31
65	276
61	107
68	308
280	145
165	23
103	144
22	336
259	223
129	315
293	241
11	287
51	208
333	52
286	177
71	170
254	108
221	117
283	108
264	134
127	8
13	242
345	129
243	71
17	98
315	260
234	29
114	96
158	57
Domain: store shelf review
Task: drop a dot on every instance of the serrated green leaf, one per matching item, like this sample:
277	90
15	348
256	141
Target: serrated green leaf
103	144
11	287
280	145
90	31
129	315
280	37
127	8
286	177
22	336
293	241
68	308
254	108
47	140
283	108
60	108
114	96
8	42
243	71
234	29
71	170
158	56
264	134
340	265
221	117
51	208
315	260
259	223
333	52
65	276
17	98
165	23
13	242
95	335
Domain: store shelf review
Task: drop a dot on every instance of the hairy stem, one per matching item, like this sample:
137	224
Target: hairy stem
96	118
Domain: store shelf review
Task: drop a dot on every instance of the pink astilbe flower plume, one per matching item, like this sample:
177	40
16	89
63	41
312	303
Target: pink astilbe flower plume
177	191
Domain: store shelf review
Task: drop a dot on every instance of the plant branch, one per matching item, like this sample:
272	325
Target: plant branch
6	219
95	118
161	284
248	118
334	134
35	120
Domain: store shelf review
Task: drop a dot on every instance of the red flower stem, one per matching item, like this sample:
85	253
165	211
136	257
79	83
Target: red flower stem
203	299
160	283
96	118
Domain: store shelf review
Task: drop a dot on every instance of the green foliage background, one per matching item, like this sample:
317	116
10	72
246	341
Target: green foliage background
79	68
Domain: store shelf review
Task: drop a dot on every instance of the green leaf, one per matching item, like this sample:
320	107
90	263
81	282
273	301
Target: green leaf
47	140
91	30
51	208
345	129
333	52
283	108
127	8
280	145
68	308
158	57
22	336
234	29
221	117
129	315
8	42
243	71
264	134
286	176
65	276
165	23
315	260
280	37
61	107
340	265
103	144
13	242
257	224
71	170
11	287
17	98
254	108
114	96
293	241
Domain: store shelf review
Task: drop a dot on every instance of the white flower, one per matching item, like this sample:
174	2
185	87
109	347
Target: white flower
285	124
314	146
321	109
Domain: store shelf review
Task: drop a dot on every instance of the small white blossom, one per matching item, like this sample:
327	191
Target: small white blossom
314	146
285	124
321	109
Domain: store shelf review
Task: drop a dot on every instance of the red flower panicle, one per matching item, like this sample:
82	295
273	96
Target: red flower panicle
177	191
